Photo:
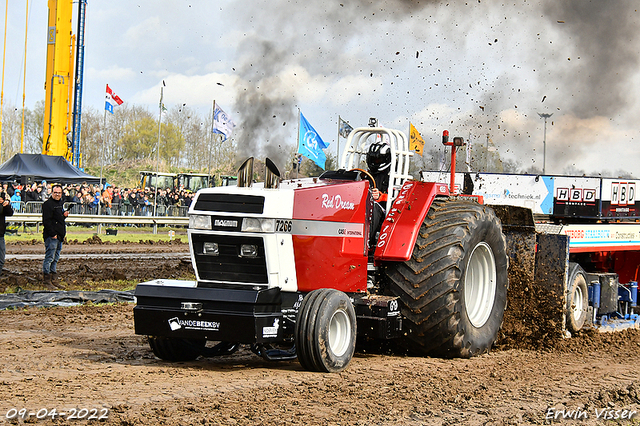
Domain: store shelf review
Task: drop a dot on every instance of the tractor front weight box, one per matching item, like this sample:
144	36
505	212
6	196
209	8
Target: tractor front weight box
229	315
378	316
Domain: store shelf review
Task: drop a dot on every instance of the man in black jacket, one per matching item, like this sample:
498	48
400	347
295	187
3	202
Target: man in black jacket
5	210
53	221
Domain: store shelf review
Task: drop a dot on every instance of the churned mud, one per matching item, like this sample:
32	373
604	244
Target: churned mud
88	357
86	265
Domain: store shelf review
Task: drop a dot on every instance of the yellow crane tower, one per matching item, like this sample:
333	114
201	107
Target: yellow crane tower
59	80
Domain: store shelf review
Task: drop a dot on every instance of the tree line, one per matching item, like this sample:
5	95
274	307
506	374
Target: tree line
186	143
131	133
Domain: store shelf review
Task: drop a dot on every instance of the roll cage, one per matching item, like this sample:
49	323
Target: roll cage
355	154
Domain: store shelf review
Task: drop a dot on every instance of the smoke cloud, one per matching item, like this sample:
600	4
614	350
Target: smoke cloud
501	63
594	80
265	105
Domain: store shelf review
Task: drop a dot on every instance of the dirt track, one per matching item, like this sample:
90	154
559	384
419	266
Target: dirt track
89	357
95	262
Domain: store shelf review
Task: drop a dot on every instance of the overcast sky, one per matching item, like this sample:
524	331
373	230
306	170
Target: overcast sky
484	67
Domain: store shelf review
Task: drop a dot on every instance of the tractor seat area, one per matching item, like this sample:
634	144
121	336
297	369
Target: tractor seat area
341	174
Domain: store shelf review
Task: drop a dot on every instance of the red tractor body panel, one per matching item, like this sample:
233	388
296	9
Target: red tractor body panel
330	243
400	228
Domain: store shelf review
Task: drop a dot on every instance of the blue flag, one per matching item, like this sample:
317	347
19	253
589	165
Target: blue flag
222	123
310	144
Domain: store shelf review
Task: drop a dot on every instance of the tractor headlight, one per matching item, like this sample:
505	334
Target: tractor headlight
248	250
210	249
198	221
252	224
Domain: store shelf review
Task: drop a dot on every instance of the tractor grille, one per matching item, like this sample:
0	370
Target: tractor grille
228	266
233	203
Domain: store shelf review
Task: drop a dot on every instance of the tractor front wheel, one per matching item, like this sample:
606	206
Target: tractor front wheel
325	332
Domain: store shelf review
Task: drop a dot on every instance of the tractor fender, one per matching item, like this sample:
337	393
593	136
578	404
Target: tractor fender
400	227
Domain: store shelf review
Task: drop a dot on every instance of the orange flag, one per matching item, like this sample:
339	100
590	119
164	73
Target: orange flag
416	143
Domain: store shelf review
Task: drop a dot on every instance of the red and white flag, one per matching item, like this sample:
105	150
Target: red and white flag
111	100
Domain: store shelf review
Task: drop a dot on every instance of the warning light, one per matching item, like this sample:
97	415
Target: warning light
445	137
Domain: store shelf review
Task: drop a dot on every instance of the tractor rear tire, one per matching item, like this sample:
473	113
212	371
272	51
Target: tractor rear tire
173	349
453	290
577	298
325	332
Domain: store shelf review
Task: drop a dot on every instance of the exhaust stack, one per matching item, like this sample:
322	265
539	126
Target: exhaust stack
272	175
245	173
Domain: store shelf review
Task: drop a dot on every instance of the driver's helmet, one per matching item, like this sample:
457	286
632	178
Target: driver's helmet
379	157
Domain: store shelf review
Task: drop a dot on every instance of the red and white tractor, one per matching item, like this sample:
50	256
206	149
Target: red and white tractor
298	268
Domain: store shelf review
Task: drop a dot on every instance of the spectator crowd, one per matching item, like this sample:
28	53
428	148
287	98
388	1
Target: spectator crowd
93	199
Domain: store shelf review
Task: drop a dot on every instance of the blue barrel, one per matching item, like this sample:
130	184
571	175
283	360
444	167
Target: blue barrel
594	293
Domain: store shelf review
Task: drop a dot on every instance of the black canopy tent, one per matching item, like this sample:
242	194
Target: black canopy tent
43	167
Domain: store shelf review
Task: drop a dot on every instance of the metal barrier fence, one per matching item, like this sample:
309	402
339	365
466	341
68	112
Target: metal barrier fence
35	219
18	206
31	207
28	207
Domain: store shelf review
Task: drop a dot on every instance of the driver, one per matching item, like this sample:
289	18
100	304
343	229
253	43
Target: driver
379	163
